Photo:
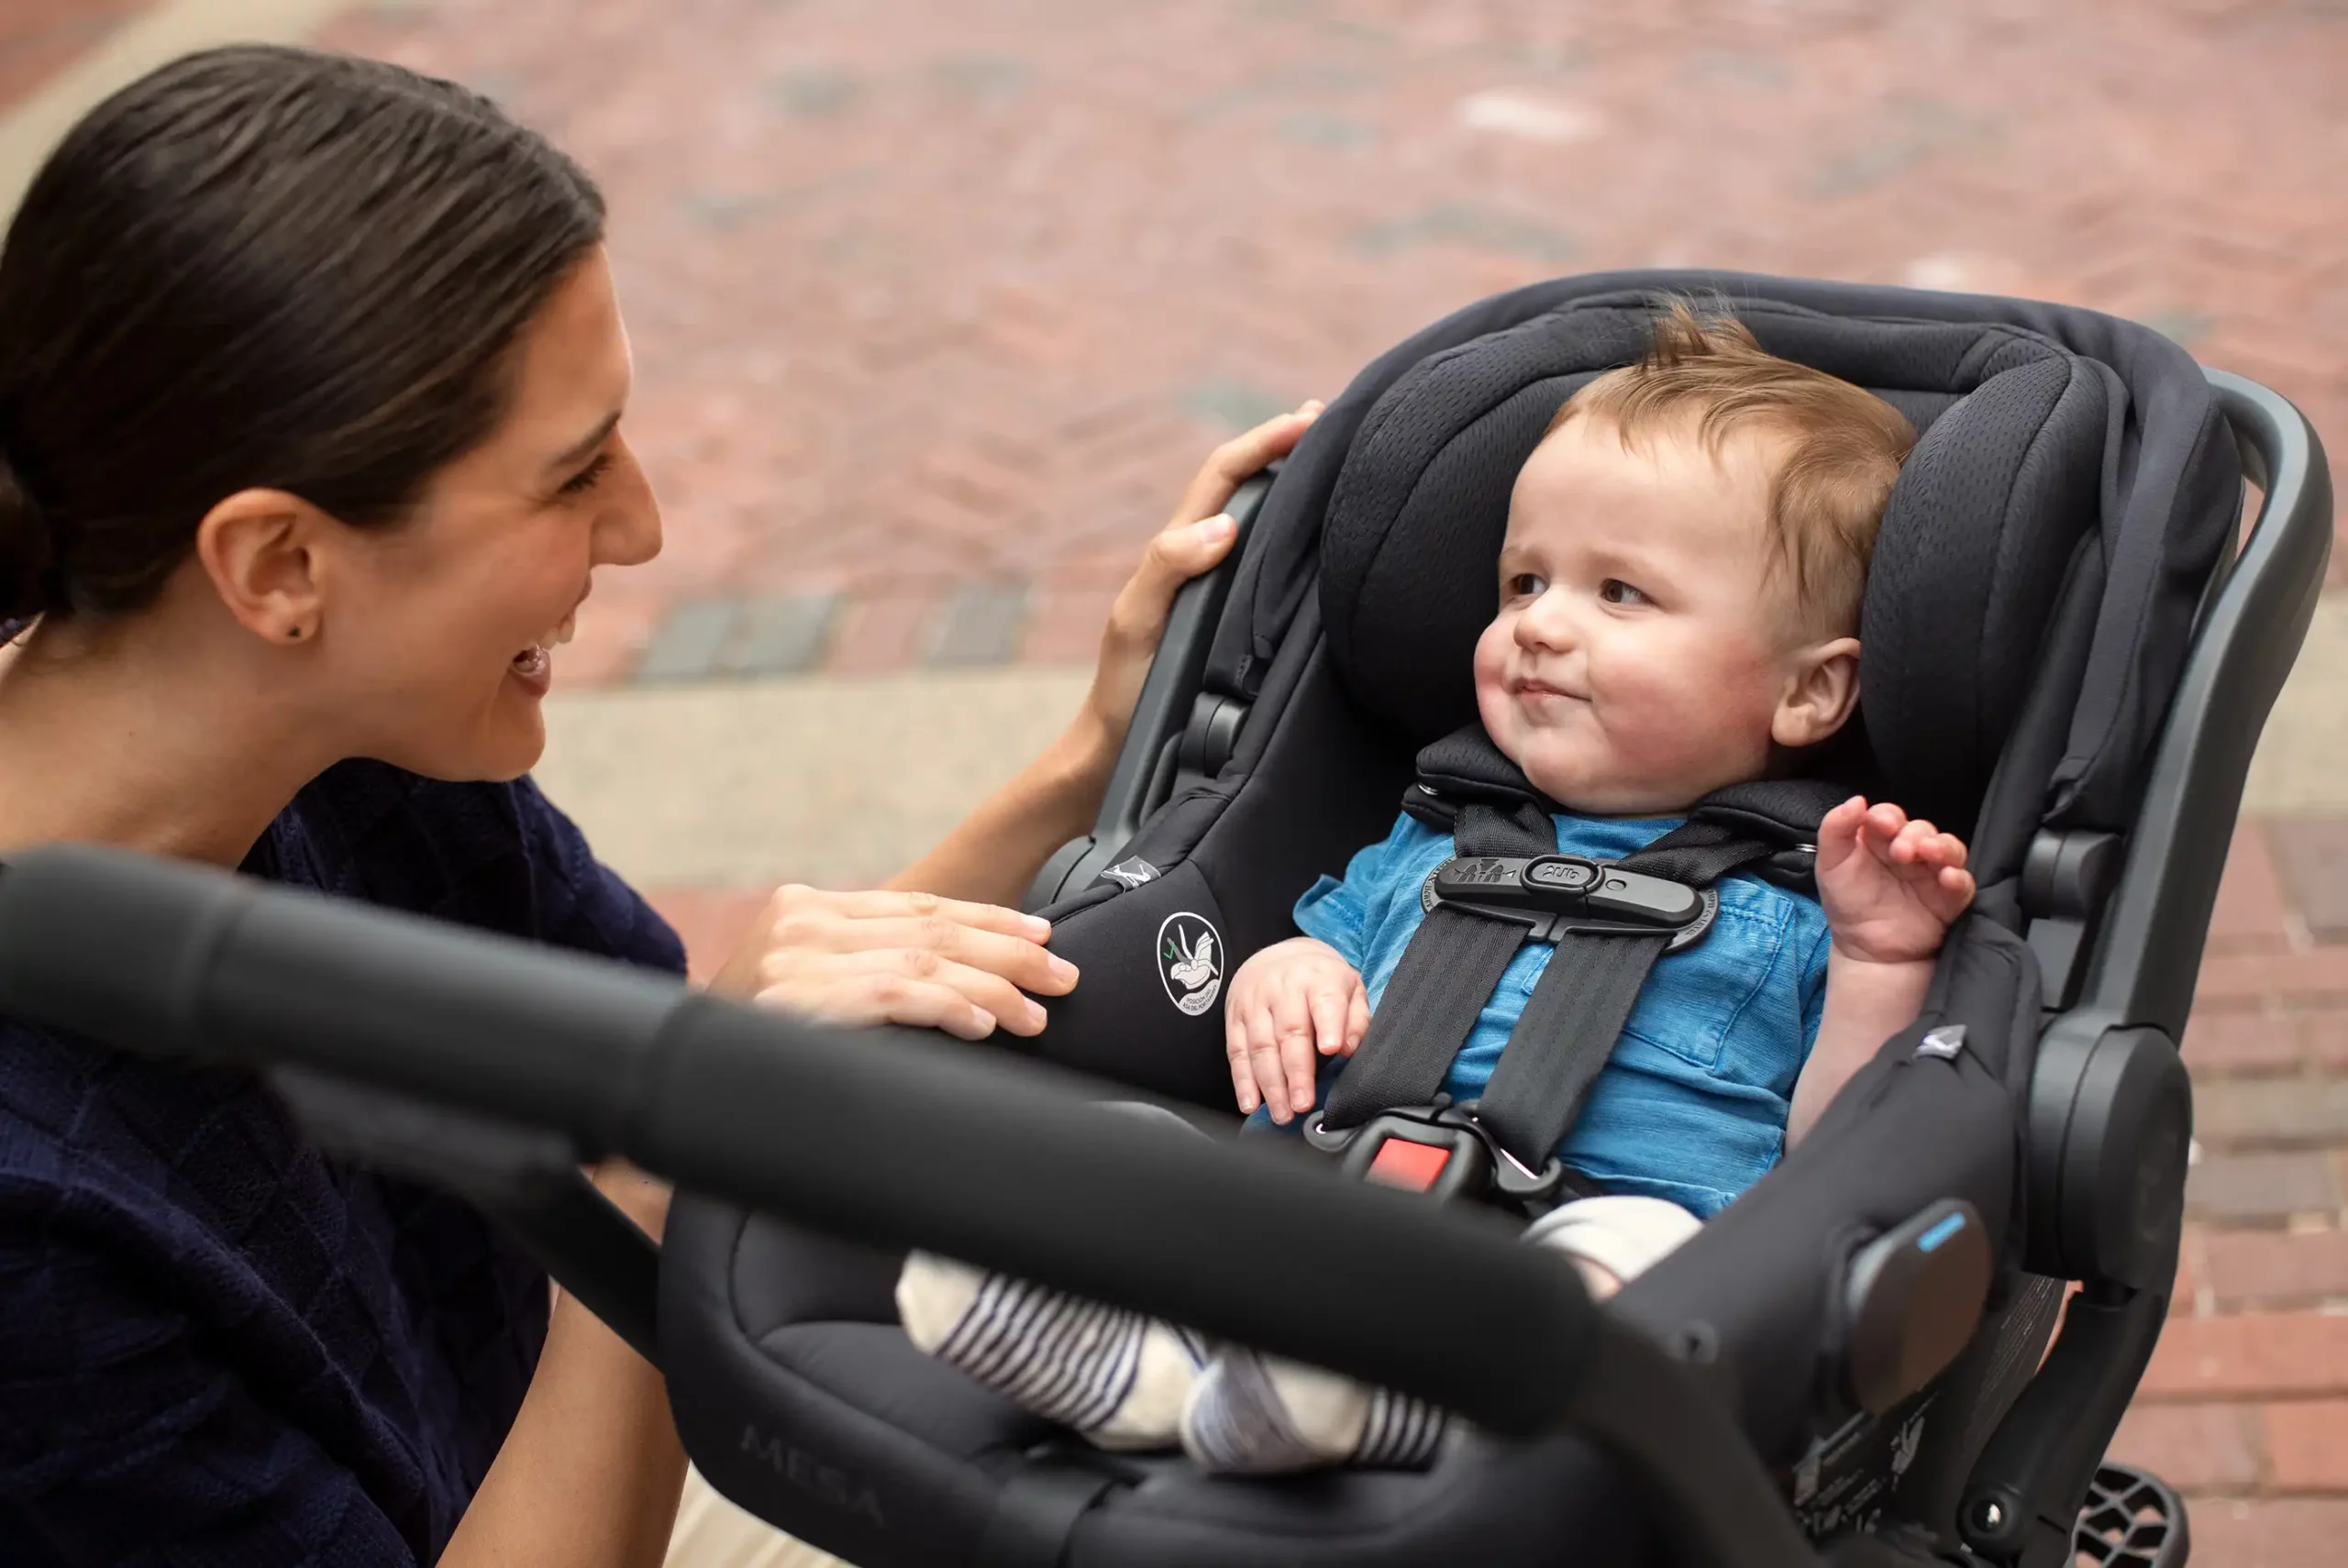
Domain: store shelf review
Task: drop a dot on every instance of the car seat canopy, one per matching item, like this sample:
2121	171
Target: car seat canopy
2005	482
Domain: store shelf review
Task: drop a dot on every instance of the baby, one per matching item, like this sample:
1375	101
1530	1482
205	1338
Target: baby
1679	592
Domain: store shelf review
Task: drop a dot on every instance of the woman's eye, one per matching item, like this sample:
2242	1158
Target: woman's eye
1525	585
1614	590
585	479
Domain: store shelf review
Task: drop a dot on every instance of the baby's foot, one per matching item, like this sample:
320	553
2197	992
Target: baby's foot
1251	1414
1118	1377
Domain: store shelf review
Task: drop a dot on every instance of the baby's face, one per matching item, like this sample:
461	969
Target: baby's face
1643	653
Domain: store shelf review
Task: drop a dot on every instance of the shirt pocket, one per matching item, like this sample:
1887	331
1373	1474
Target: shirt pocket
1695	999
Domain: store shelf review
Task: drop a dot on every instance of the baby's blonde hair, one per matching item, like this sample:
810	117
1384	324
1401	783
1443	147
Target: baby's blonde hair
1845	444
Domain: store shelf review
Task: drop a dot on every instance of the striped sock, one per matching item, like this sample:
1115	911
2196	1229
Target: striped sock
1251	1414
1118	1377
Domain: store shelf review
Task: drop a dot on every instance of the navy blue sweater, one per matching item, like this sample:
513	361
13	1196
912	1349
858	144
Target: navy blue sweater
217	1346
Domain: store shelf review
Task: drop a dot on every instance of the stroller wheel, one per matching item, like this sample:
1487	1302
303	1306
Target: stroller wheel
2130	1520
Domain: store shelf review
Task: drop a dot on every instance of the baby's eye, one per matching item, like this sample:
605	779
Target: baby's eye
1614	590
1524	585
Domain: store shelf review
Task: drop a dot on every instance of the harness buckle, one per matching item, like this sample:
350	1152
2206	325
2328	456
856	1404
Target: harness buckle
1555	895
1442	1150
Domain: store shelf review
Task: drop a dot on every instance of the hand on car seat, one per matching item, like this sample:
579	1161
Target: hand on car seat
1291	1004
888	957
1890	886
1197	536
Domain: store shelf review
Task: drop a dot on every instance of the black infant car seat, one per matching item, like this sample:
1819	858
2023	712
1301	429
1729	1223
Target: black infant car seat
2032	597
2063	653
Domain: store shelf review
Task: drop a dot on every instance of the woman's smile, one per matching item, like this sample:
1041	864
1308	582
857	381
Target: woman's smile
533	668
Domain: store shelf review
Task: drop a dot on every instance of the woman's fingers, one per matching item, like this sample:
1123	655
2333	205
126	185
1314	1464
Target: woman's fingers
868	999
1024	962
1229	465
873	985
880	903
1174	556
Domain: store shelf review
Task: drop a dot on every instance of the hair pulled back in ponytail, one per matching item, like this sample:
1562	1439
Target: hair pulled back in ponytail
261	267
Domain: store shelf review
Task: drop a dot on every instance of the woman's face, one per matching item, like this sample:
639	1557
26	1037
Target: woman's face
440	631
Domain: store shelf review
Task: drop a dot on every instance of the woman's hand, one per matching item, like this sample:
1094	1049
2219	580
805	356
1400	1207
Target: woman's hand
995	852
1199	536
904	958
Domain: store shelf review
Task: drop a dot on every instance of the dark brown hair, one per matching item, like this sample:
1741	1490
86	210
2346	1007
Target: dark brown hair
1845	444
261	267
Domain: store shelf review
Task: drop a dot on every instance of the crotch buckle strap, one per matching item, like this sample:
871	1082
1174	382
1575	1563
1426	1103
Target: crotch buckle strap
1555	895
1442	1150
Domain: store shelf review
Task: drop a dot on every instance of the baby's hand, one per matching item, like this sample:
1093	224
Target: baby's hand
1291	1003
1890	886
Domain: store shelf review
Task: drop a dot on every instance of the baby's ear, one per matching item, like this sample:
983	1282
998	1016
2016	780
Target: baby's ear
1821	689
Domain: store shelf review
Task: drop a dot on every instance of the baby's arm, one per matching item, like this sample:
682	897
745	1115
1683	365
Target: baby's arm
1890	888
1291	1003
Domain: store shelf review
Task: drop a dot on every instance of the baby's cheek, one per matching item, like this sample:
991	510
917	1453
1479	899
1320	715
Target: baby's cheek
1667	713
1490	668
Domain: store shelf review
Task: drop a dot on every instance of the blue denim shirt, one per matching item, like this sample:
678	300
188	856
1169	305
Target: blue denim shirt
1692	1106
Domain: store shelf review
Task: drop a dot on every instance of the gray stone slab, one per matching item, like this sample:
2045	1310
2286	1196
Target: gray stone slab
838	781
981	626
691	642
781	636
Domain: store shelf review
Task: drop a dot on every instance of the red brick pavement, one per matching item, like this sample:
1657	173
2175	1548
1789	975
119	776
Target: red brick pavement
928	295
2245	1405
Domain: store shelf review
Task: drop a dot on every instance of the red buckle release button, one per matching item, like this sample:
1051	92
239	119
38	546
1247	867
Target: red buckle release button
1411	1166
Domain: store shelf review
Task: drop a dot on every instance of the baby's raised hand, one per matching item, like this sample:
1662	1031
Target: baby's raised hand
1890	886
1291	1004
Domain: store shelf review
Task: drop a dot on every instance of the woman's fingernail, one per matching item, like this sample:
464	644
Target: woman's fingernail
1311	405
1035	1016
1061	969
1216	527
1037	926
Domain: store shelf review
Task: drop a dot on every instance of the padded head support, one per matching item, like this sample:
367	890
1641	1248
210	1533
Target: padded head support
1972	554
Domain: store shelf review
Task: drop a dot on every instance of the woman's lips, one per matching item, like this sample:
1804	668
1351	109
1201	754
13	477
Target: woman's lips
533	668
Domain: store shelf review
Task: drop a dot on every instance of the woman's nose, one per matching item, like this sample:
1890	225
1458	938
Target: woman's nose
627	533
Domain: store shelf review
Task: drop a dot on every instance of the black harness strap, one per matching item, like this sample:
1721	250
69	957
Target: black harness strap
1449	971
1585	994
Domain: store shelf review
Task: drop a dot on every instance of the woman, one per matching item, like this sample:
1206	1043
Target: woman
311	388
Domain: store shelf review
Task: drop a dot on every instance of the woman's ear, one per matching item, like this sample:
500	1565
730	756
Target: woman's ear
260	549
1819	694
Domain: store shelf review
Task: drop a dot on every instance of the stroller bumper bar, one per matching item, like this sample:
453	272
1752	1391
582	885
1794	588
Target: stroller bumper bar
195	964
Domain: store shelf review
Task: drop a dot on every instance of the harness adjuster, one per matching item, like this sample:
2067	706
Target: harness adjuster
1555	895
1441	1150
